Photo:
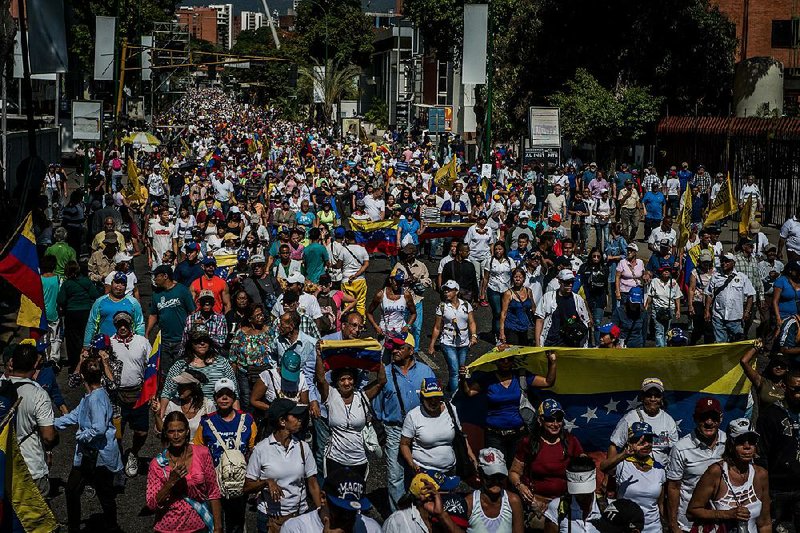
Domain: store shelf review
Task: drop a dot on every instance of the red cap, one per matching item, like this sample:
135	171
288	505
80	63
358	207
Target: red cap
707	405
556	218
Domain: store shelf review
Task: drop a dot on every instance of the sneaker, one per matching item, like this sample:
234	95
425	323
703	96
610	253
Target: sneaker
132	465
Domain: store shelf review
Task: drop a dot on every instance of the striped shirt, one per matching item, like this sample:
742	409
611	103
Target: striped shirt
218	369
430	214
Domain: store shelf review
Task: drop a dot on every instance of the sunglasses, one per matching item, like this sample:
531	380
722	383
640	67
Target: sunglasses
647	439
716	417
752	440
558	418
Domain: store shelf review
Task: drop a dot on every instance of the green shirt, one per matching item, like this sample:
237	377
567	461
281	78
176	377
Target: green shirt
63	252
314	258
50	286
172	307
77	294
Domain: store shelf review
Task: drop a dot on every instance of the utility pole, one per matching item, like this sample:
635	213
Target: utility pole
121	85
487	148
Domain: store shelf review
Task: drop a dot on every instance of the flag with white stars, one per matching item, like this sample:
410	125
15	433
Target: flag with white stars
150	384
596	386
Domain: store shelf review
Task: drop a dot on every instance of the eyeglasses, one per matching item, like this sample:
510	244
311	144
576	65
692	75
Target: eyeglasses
558	418
752	440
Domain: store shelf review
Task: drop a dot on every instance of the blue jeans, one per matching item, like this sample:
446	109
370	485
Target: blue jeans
496	304
416	329
394	467
322	435
727	330
601	234
661	329
455	356
243	383
599	320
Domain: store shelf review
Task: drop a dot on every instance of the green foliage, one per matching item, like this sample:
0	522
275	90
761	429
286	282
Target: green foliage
592	113
270	78
336	81
341	23
441	23
378	114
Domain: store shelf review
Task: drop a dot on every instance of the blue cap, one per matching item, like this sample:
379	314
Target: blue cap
101	341
339	232
445	482
636	296
550	407
290	366
640	429
431	388
399	277
120	277
676	337
409	211
191	246
209	260
243	255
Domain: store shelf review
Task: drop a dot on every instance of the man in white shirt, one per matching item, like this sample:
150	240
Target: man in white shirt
374	205
729	300
663	232
750	189
159	237
344	493
790	238
307	303
223	189
355	261
34	419
580	510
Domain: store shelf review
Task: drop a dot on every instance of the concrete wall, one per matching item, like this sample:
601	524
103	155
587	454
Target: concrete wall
47	147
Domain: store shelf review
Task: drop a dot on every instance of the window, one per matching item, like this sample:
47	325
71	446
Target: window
785	33
441	83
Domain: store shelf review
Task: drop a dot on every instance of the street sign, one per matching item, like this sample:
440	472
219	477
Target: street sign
543	123
87	120
401	113
440	119
550	155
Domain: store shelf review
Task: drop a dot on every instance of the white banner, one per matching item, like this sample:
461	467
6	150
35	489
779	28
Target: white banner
87	120
476	20
147	57
104	48
18	73
319	81
47	46
545	131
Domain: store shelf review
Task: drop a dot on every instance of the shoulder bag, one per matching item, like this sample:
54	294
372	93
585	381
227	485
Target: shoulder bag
465	469
526	410
373	433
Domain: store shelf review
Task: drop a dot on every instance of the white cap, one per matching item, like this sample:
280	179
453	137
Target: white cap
524	214
566	275
295	277
729	256
451	284
122	256
234	209
603	190
633	246
740	427
491	461
581	482
224	383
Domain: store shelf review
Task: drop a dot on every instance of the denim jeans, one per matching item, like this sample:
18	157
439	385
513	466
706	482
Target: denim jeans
661	329
243	383
727	330
496	304
322	435
394	466
455	356
599	319
416	329
601	234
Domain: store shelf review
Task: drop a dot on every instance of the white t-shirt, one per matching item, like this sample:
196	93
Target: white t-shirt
34	411
289	467
658	235
644	489
663	425
161	237
575	523
353	260
374	207
479	243
446	259
336	253
455	323
194	422
306	305
499	273
311	523
346	445
132	281
223	190
277	386
183	228
673	186
134	355
432	439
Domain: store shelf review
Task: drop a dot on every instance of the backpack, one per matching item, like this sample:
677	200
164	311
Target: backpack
232	465
327	322
116	164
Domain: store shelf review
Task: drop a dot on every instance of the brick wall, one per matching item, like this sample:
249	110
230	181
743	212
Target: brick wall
759	17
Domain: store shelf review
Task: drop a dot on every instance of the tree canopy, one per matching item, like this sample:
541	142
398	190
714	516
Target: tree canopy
349	32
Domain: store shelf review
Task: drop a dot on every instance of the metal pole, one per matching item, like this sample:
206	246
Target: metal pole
4	89
489	87
121	85
57	109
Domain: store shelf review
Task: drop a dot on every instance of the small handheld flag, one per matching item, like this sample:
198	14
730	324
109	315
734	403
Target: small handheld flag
150	385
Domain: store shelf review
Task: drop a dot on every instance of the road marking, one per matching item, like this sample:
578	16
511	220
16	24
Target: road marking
427	360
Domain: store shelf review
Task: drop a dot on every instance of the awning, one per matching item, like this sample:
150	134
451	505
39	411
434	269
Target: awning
782	128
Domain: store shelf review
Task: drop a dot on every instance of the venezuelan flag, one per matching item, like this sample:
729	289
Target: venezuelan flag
445	230
378	236
354	353
19	265
22	506
596	387
150	384
225	263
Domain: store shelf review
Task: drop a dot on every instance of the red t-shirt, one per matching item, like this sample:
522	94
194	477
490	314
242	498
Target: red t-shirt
546	475
216	285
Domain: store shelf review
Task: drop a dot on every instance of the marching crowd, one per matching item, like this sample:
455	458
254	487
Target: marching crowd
242	225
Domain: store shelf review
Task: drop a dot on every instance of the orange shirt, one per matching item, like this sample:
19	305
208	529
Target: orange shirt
216	285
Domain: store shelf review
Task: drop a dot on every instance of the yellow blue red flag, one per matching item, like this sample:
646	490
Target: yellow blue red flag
22	506
596	387
19	265
378	236
352	353
150	384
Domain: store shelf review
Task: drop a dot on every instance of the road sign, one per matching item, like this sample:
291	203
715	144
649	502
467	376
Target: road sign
440	119
543	123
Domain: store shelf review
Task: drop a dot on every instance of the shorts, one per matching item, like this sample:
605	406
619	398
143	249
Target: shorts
138	419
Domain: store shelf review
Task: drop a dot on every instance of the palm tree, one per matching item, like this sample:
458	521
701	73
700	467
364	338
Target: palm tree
333	80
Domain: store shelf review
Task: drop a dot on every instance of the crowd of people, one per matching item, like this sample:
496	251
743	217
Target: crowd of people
241	226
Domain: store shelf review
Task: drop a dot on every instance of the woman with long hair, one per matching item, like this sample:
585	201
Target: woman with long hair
238	315
734	492
182	484
398	311
455	330
786	293
249	352
190	400
538	472
769	384
594	280
699	280
516	312
615	251
495	282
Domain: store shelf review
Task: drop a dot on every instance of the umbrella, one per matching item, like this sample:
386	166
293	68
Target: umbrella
141	138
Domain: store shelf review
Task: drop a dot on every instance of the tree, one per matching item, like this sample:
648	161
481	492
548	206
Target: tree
441	23
341	24
335	81
272	79
612	119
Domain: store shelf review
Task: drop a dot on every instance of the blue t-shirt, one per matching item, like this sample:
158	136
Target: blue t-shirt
409	228
186	273
654	205
502	403
684	176
621	177
305	219
588	176
314	258
788	302
226	430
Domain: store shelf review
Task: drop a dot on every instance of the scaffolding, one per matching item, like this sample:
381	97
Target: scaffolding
170	57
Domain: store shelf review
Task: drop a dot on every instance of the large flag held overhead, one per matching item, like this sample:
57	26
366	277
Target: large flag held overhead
378	236
445	230
19	265
723	205
447	175
746	217
133	191
22	507
150	384
354	353
596	387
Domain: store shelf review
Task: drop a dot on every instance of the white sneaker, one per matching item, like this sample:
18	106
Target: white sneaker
132	465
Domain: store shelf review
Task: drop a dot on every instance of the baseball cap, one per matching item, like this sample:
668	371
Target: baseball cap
339	232
185	378
295	277
121	257
418	484
165	269
431	388
399	277
101	342
191	246
451	284
652	383
603	190
229	237
549	407
640	429
224	384
524	214
234	209
398	342
728	257
635	295
120	277
633	246
565	275
206	294
123	316
581	476
290	366
491	461
198	332
282	407
555	218
210	260
620	516
346	489
741	427
256	259
705	255
707	405
676	337
243	255
609	328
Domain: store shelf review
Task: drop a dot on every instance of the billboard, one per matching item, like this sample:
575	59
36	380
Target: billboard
474	50
543	124
87	120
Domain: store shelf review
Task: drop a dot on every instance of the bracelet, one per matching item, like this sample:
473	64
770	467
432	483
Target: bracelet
474	336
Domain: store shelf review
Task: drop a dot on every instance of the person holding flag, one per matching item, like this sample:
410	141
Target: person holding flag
724	204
